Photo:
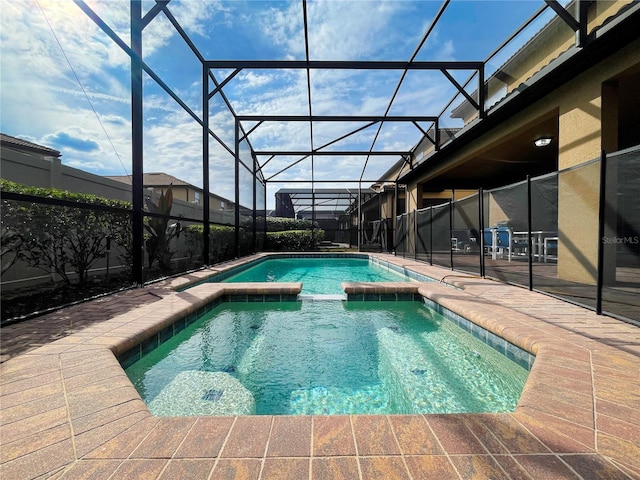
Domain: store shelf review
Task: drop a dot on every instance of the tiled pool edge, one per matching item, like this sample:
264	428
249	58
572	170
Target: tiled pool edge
221	272
509	350
363	292
418	277
155	339
567	439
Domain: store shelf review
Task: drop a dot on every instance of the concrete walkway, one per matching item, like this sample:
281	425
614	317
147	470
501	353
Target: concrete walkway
69	411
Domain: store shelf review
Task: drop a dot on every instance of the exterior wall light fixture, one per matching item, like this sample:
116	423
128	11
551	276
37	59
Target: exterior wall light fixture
542	141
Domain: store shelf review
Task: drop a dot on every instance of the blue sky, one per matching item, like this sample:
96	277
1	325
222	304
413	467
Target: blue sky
65	84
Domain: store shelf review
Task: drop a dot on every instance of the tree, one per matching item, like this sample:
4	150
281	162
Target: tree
11	248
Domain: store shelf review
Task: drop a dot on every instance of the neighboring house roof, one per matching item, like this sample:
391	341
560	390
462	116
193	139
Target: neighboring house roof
7	141
160	179
157	179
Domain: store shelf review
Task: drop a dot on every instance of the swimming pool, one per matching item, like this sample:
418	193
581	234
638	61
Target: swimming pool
325	358
319	275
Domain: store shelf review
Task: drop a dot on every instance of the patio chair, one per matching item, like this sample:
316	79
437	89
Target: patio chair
464	240
487	236
499	240
550	248
504	241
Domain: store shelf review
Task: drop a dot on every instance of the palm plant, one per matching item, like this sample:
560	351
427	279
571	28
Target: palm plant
160	232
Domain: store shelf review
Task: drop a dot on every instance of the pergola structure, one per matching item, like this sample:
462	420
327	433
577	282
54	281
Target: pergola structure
255	162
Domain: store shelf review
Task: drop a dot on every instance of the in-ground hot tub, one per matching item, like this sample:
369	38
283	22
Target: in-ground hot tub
327	357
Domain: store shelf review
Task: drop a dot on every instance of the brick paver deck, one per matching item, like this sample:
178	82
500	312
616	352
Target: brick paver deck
68	410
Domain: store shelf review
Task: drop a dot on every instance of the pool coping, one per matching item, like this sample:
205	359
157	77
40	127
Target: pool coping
225	270
68	407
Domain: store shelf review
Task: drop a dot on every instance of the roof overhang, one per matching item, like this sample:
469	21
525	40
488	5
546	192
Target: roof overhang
440	170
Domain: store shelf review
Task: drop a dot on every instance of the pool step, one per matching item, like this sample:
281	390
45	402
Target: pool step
203	393
414	382
335	400
321	298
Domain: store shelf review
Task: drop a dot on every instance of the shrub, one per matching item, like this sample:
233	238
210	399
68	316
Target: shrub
293	240
283	224
58	238
222	238
221	242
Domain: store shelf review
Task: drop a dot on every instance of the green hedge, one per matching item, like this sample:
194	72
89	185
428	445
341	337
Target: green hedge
283	224
221	242
293	240
13	187
290	234
60	238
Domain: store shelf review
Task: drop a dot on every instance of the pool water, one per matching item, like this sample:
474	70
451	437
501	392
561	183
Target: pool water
319	276
295	358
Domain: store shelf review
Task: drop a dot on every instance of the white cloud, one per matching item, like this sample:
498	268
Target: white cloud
337	30
352	30
254	80
284	27
41	97
196	17
448	50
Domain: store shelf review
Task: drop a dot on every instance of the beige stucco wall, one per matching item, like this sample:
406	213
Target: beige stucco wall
496	213
581	139
580	123
444	195
578	224
578	106
603	10
48	172
460	194
386	205
188	194
551	41
412	196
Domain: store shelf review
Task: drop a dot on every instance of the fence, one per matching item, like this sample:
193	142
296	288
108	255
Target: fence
60	247
573	234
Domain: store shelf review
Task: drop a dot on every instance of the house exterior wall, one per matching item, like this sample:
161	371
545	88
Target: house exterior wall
581	138
179	192
386	206
444	195
554	39
497	214
426	147
579	108
413	193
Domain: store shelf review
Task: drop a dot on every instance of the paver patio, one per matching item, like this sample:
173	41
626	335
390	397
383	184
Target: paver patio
69	411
